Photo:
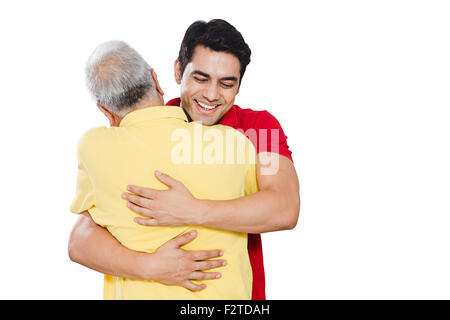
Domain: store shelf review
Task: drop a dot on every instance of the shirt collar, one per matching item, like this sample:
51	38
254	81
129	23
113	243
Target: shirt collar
153	113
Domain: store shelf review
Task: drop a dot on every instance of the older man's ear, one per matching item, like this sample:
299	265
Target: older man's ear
155	80
114	119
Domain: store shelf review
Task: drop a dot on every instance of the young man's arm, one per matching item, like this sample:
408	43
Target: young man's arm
275	207
95	248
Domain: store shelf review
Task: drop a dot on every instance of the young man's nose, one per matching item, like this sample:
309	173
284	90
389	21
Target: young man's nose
211	92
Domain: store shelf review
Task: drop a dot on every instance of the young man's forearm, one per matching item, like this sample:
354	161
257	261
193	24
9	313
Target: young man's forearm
275	207
257	213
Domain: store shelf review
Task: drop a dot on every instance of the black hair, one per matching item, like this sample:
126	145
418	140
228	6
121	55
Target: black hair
218	35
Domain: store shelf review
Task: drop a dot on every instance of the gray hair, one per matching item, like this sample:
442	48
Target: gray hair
118	77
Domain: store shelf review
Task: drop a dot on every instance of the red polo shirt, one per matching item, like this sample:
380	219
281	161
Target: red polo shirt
269	137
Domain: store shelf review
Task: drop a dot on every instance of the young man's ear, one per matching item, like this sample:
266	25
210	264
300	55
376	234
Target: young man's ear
114	120
155	80
177	71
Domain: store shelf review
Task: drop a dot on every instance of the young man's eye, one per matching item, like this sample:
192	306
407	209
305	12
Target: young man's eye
200	79
227	85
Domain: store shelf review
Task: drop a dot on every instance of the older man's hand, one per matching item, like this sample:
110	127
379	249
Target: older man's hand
181	266
173	207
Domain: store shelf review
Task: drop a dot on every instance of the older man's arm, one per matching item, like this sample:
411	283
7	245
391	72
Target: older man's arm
94	247
275	207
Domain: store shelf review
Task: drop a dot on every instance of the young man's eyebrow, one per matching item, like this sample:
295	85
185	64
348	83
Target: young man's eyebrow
201	73
229	79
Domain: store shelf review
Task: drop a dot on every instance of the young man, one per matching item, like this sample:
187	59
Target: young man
211	63
128	93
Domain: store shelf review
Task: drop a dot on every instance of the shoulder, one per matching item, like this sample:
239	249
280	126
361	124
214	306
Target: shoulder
262	128
246	118
234	140
229	131
91	140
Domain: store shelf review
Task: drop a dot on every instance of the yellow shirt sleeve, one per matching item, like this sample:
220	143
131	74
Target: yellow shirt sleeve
84	194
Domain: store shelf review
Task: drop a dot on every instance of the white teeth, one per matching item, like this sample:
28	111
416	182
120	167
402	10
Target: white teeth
206	106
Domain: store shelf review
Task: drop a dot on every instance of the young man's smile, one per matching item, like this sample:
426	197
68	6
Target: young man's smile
206	107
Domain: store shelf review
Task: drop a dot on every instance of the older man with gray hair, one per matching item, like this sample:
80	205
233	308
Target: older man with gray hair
120	80
139	142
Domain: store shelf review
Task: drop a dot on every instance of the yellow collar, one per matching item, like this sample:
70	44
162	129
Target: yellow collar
153	113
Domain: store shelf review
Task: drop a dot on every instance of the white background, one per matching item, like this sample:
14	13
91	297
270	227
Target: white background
361	89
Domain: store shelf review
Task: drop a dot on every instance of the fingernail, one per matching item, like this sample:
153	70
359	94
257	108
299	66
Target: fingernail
124	195
224	263
128	205
218	276
128	188
221	253
158	174
193	233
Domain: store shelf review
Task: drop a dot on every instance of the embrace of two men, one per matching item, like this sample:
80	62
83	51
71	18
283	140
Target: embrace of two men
185	229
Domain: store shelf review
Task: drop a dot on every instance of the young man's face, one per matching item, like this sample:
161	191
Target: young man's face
209	84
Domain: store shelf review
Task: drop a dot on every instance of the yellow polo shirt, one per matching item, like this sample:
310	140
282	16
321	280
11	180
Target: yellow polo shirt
161	138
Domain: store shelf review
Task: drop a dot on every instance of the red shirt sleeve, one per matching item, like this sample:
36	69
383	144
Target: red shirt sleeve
271	137
261	127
